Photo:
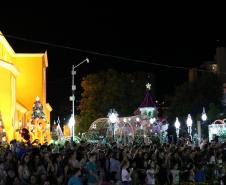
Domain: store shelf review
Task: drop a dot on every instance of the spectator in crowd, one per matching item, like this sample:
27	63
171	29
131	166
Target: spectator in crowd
110	164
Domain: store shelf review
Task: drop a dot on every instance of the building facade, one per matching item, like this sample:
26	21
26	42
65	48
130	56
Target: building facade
22	79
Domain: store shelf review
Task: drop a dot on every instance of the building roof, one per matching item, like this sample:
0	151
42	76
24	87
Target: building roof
148	100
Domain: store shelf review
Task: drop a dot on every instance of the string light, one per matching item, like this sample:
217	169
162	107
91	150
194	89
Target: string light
101	54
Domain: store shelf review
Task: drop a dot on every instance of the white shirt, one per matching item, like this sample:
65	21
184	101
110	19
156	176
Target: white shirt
125	175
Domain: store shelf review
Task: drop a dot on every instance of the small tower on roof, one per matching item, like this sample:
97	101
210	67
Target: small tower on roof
148	107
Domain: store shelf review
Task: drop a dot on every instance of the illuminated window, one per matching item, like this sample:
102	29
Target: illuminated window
213	67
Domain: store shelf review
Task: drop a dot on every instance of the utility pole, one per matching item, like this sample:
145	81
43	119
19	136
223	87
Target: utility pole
72	98
73	88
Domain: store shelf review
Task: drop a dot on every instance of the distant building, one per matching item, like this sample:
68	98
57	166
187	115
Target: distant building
218	65
221	62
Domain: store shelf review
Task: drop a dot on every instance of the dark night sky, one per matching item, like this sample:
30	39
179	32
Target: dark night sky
131	34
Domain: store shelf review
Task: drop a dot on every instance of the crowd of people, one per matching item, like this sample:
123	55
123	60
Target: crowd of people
109	164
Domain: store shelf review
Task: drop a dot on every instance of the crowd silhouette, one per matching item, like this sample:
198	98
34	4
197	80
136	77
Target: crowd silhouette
109	164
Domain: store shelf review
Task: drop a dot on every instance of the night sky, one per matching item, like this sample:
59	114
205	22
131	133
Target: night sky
131	34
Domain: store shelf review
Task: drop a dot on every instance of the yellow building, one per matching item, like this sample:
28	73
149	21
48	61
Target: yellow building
22	79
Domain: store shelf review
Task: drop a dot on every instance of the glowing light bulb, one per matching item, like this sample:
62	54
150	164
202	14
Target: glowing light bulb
37	98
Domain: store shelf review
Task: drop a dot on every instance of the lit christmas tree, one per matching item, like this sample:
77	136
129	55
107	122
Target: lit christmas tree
38	110
3	139
39	128
57	134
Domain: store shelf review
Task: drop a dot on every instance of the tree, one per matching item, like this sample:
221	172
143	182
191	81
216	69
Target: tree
191	97
110	89
84	122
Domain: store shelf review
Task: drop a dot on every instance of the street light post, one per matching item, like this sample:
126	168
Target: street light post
177	126
113	118
204	118
71	126
189	124
72	98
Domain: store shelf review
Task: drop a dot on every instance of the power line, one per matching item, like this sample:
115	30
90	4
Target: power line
74	49
103	54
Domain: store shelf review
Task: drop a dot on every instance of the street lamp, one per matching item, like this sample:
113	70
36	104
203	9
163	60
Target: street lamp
113	118
204	116
73	87
177	126
71	125
189	124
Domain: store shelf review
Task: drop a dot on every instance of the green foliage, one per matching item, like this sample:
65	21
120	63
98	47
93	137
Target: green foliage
139	132
191	97
110	89
84	122
91	136
213	111
139	140
155	139
54	136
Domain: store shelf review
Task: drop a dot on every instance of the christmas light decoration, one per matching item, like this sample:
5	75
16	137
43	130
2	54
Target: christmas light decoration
38	110
204	116
177	126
